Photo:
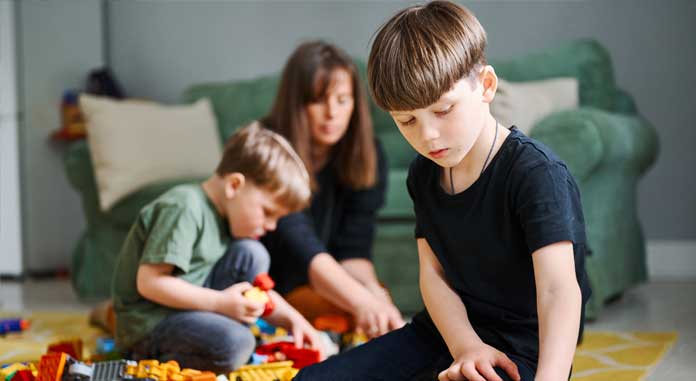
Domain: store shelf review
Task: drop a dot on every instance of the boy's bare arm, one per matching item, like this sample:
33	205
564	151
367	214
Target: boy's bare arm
558	305
473	359
156	283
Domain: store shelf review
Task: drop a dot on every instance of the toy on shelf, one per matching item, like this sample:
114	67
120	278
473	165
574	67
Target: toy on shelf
73	123
262	284
281	371
13	325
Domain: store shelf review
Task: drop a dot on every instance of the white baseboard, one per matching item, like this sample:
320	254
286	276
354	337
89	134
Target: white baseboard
671	260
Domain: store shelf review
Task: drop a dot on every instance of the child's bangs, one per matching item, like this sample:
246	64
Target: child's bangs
421	53
415	80
291	191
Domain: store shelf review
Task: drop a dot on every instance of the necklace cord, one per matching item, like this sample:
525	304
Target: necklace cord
490	151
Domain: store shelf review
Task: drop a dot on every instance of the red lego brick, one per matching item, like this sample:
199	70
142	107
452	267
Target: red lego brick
73	348
300	357
23	375
51	367
264	282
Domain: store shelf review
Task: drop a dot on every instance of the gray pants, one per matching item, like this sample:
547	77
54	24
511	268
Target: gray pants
206	340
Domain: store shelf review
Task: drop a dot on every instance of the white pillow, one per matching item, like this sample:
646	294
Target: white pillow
526	103
135	143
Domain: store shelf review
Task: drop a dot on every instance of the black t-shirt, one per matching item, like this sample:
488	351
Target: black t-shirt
340	221
484	236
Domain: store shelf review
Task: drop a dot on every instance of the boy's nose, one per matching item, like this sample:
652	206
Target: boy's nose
270	226
429	131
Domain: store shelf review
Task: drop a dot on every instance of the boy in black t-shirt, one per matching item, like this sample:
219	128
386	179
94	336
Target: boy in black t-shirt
499	224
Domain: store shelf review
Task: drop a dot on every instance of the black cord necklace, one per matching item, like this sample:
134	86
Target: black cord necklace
490	151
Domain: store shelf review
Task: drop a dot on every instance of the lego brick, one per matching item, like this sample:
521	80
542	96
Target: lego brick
23	375
51	367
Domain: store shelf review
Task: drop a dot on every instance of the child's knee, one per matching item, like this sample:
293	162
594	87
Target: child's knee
235	349
253	252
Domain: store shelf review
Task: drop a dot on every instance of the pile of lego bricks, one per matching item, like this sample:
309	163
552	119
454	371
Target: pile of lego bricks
60	366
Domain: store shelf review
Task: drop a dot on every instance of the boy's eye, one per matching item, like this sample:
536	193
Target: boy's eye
444	112
408	122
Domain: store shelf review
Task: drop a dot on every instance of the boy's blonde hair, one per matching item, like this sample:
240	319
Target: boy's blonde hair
421	52
267	159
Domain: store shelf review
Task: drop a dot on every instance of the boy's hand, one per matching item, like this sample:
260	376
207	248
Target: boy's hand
232	303
375	317
303	332
476	363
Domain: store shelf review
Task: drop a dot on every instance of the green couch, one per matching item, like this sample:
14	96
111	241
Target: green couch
606	144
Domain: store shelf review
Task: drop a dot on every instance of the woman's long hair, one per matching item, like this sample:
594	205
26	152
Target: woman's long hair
305	79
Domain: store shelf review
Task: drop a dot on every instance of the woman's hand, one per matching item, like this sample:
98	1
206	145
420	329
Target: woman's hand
476	363
375	317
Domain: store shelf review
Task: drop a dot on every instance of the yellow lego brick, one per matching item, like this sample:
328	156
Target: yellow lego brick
131	370
257	295
270	365
11	369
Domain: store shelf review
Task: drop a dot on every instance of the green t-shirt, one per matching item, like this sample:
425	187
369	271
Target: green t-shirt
181	228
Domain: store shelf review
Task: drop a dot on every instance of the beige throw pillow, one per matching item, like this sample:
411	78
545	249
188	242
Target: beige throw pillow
136	143
526	103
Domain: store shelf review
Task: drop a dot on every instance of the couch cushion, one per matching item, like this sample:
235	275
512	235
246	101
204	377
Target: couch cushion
523	104
135	143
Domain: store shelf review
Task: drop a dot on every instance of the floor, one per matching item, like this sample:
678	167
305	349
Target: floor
657	306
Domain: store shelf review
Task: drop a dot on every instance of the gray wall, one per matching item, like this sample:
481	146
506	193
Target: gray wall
56	44
158	49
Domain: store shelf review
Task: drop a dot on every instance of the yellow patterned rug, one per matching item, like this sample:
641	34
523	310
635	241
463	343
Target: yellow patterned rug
603	356
620	356
46	328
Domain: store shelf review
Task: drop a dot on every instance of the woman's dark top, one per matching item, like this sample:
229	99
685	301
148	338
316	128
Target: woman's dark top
340	221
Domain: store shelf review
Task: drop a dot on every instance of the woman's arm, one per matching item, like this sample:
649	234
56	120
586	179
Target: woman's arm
374	316
558	304
364	272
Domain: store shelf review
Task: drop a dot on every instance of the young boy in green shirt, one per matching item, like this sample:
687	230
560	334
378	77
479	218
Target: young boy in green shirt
191	254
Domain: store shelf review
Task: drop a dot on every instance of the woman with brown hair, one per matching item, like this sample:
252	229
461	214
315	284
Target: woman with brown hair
321	258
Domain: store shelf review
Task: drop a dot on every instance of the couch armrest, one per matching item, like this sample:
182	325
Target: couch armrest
574	136
78	167
624	103
586	137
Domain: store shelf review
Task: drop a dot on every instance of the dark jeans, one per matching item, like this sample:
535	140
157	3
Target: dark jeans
414	353
206	340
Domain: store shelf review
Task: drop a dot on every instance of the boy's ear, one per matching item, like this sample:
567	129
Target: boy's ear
490	83
233	182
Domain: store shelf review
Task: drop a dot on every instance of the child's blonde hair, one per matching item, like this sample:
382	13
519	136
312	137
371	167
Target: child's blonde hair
421	52
267	159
